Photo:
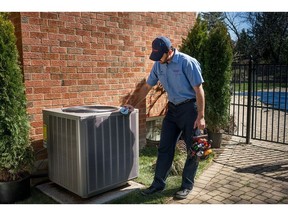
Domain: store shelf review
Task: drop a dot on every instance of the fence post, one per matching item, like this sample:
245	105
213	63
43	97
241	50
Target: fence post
250	74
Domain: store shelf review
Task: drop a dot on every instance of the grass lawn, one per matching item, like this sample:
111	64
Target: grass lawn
147	160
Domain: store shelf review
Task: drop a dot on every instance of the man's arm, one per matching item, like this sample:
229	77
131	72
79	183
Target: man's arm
139	96
200	98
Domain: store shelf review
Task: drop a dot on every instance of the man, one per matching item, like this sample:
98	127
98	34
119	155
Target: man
180	75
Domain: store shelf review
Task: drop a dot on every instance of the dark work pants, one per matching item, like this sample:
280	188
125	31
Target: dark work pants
179	120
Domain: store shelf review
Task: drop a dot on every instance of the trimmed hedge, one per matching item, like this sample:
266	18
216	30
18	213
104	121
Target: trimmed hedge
213	49
16	153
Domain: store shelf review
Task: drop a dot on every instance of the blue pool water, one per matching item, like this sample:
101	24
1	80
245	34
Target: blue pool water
278	100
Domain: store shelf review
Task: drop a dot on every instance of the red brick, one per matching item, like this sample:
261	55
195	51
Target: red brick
67	44
68	69
97	46
52	96
73	25
90	28
49	29
40	48
34	110
30	55
84	82
75	38
49	42
83	45
28	28
54	36
59	89
69	82
75	50
74	63
55	49
56	23
76	101
31	41
52	83
66	31
83	33
32	97
40	35
90	64
31	14
48	15
52	69
39	90
42	103
33	69
38	83
61	63
35	21
75	14
69	95
60	102
84	70
51	56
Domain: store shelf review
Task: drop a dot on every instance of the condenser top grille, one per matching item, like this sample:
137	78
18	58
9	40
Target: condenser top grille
90	109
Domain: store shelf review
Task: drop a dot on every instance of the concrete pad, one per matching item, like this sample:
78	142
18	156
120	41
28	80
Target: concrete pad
64	196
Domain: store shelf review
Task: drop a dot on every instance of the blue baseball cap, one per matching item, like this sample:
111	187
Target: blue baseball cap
160	46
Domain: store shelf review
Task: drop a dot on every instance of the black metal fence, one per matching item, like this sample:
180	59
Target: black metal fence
259	102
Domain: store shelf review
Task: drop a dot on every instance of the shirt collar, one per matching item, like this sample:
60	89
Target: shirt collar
175	58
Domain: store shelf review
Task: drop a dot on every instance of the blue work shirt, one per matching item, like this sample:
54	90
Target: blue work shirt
178	77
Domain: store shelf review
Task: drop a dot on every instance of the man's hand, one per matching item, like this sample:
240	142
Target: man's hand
130	107
200	123
200	98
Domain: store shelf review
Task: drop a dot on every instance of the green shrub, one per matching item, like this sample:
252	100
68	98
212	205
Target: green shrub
196	39
213	49
16	153
217	75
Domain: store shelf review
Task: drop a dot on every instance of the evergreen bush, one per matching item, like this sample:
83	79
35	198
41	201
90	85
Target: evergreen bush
217	76
194	44
213	49
16	153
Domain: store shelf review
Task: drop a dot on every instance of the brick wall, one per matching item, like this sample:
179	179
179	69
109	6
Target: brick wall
78	58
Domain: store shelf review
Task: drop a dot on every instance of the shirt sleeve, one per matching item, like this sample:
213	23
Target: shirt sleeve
193	72
153	78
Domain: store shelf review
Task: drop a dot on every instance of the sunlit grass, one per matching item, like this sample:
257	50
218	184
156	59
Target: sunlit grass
147	161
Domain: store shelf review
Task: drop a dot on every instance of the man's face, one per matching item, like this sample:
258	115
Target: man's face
164	58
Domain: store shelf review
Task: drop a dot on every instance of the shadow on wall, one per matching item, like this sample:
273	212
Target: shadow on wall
131	98
153	97
157	92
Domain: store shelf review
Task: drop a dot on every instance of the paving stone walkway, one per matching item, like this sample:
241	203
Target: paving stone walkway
255	173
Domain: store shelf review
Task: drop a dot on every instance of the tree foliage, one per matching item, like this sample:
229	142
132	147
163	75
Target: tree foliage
271	37
265	36
195	41
212	18
16	154
213	49
217	76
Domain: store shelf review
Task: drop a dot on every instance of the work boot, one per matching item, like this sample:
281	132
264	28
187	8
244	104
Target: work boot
182	193
150	190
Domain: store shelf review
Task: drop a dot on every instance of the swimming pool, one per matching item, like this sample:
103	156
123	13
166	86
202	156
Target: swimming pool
277	99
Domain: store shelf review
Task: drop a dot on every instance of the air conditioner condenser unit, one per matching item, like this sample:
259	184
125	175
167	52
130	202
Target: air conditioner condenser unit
91	149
